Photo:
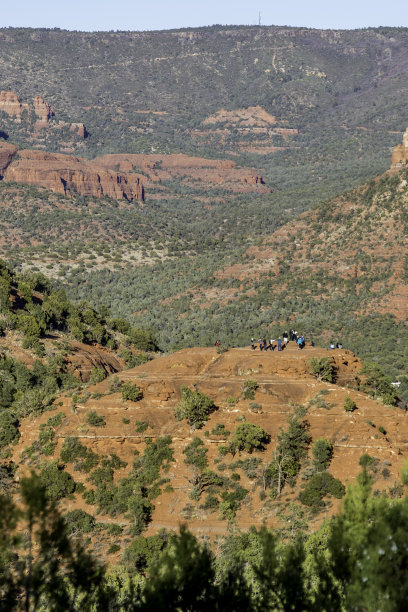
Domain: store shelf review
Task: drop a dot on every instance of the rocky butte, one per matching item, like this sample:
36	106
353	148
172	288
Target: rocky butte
11	104
67	174
281	378
400	153
43	111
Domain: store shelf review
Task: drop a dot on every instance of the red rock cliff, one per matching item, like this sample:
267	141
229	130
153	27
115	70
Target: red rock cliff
43	111
11	104
67	174
7	152
400	152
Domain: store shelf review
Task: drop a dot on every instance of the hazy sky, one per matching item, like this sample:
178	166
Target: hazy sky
93	15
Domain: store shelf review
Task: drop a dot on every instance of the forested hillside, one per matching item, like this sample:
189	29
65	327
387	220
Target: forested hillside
139	92
313	112
336	273
264	203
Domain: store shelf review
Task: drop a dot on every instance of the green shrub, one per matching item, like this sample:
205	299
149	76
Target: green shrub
46	440
8	428
349	404
220	430
79	521
56	481
97	375
322	453
56	420
143	552
142	339
141	426
140	512
211	503
366	460
249	437
377	384
72	449
101	476
249	466
231	501
131	392
382	430
113	548
95	419
320	485
322	368
291	449
114	462
195	407
248	389
196	454
133	360
255	407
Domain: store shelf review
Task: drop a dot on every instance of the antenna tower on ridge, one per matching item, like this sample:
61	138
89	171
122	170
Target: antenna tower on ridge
259	19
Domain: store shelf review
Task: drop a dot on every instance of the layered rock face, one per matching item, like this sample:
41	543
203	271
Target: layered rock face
400	153
195	171
7	152
66	174
43	111
11	104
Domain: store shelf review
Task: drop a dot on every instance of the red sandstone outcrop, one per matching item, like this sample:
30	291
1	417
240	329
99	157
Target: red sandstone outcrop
400	152
79	129
43	111
198	172
7	152
67	174
11	104
248	117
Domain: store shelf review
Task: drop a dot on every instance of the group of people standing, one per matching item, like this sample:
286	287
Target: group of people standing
281	343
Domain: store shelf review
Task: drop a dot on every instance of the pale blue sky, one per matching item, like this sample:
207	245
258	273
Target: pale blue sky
91	15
